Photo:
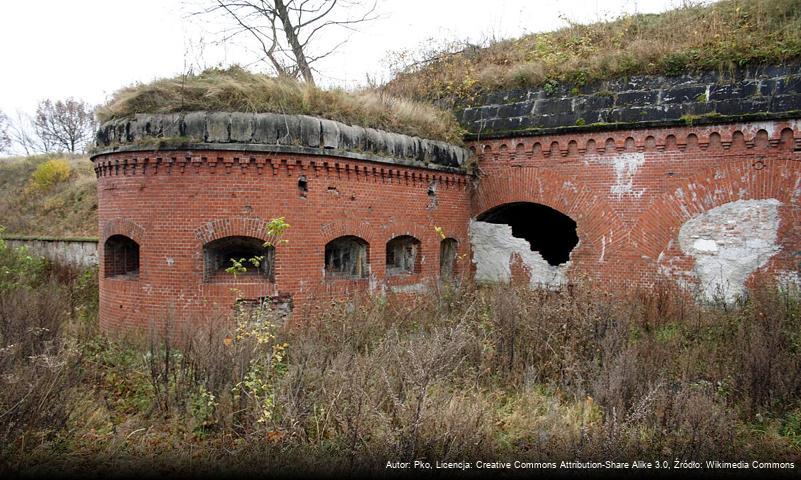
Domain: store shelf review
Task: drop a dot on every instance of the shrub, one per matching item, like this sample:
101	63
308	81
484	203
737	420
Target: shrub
50	173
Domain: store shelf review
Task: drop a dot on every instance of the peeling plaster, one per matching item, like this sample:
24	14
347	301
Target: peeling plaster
603	249
412	288
729	243
626	166
494	248
750	129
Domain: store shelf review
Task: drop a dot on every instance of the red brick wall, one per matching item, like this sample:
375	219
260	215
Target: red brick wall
172	203
629	192
628	220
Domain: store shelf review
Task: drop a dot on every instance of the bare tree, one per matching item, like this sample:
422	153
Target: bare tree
64	125
284	30
21	132
5	140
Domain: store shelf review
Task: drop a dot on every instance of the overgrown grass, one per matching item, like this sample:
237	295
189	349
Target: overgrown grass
44	207
463	374
237	90
721	36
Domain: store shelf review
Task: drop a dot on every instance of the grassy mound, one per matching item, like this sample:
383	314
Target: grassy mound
235	89
48	196
721	36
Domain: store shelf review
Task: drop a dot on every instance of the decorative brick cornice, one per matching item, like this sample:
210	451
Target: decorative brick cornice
783	135
245	163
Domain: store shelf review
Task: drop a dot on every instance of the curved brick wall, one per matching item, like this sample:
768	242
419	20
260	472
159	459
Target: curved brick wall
172	202
708	202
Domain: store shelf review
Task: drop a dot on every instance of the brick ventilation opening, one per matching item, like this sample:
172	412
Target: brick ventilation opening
447	257
548	231
121	257
346	257
219	253
402	255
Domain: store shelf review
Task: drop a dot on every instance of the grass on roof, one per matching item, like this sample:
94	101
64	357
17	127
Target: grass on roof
237	90
720	36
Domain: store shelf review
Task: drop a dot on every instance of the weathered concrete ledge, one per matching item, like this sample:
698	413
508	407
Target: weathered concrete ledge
749	94
78	252
273	132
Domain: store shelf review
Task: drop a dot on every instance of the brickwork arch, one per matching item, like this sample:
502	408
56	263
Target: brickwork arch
125	227
600	231
231	227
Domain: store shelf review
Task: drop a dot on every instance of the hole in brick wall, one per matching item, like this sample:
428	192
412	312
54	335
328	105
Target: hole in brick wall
402	258
218	256
303	186
432	189
448	249
121	257
347	257
548	231
257	310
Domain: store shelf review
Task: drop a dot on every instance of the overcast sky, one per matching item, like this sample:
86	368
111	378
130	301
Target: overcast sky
90	48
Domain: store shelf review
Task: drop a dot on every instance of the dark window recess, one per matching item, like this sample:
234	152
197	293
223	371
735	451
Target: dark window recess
121	257
303	186
346	257
402	255
447	257
548	231
218	255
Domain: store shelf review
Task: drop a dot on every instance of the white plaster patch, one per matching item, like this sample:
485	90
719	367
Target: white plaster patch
494	248
750	129
789	281
626	166
705	245
729	243
603	249
412	288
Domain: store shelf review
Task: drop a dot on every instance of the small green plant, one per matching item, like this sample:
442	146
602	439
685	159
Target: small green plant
550	87
257	333
51	172
201	407
239	264
791	427
18	268
580	122
275	230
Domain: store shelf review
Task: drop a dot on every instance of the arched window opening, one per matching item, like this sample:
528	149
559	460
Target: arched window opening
448	249
402	258
233	257
548	231
346	257
121	257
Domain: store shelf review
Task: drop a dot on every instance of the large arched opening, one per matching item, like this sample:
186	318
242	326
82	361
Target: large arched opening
549	232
